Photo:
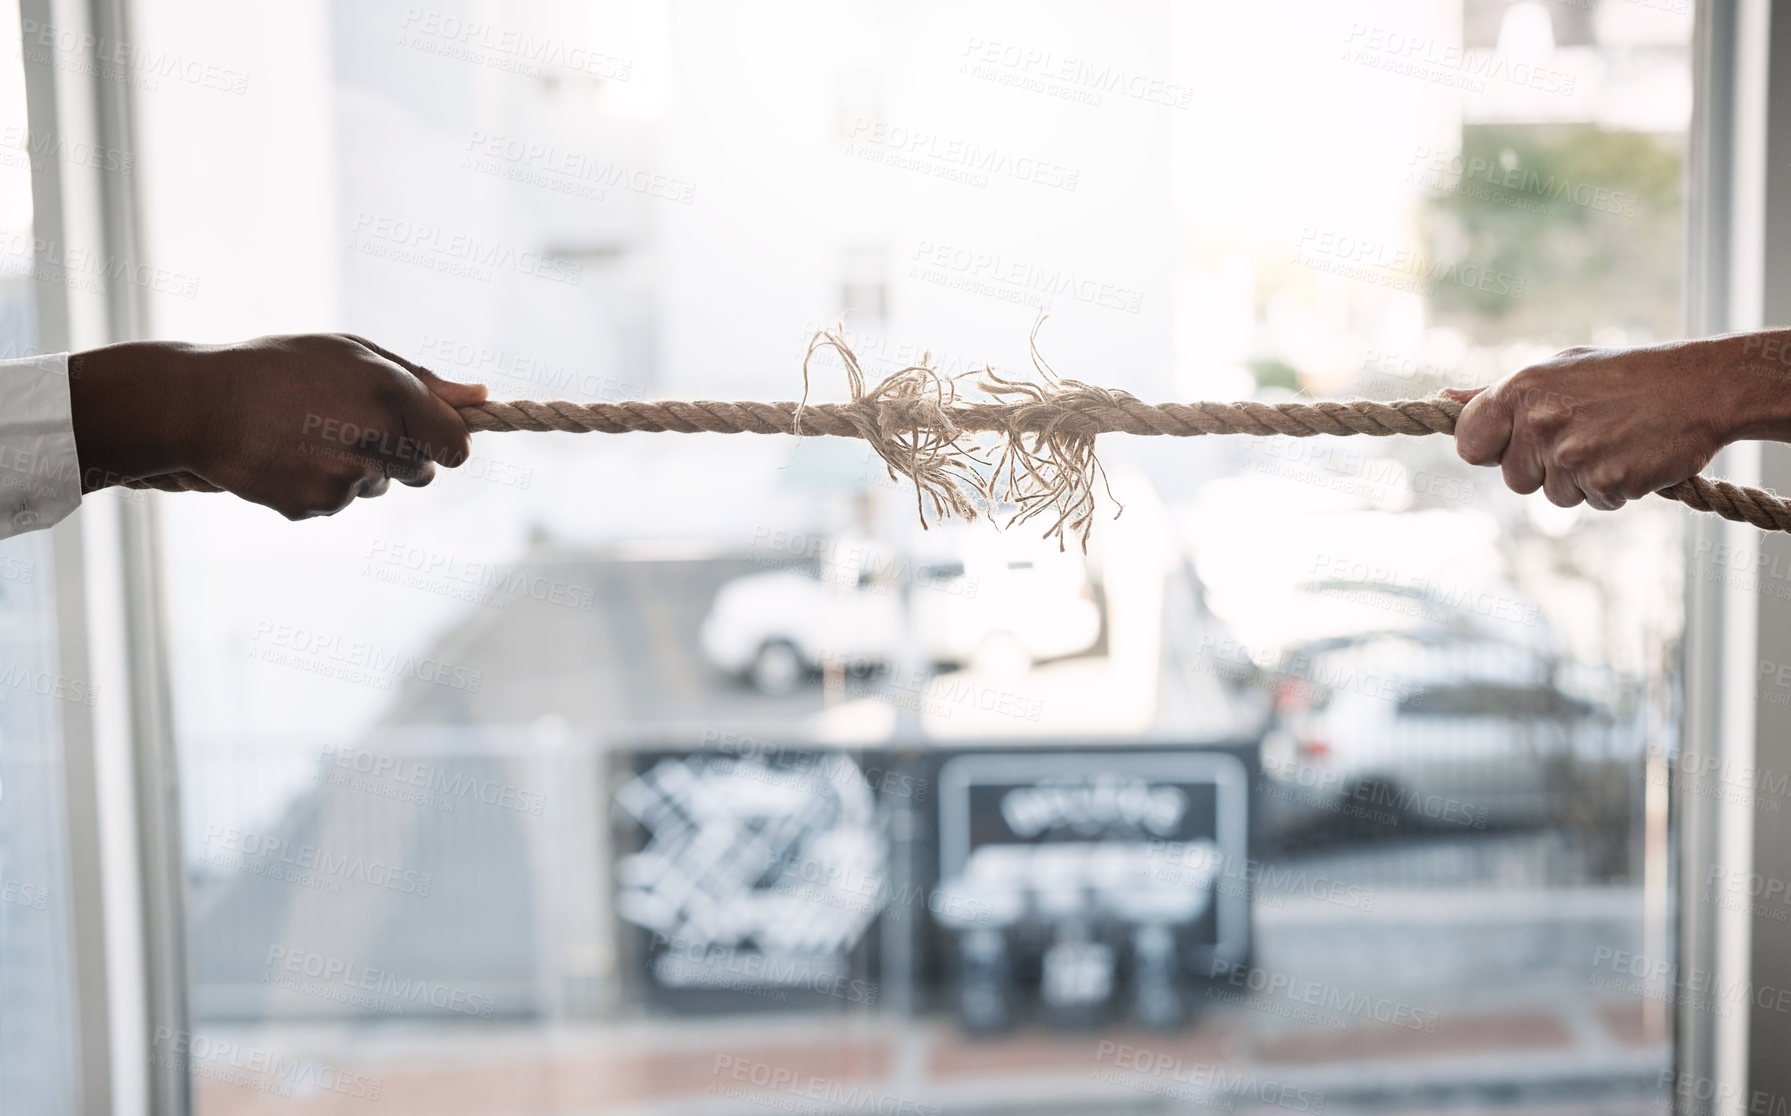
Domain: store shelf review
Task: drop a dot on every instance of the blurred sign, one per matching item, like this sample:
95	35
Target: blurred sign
755	874
1101	840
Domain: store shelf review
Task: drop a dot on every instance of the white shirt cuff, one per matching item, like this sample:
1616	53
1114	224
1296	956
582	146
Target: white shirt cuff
40	475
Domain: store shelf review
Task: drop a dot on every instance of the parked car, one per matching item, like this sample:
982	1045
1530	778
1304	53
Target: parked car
1013	598
1440	731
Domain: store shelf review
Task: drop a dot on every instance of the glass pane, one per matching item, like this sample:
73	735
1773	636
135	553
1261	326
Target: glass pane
686	772
38	1038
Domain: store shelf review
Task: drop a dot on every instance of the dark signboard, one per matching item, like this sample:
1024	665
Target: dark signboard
1083	879
1104	879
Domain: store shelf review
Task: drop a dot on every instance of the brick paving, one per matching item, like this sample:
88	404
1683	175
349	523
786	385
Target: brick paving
1233	1058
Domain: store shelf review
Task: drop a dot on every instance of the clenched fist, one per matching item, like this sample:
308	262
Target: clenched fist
302	424
1611	425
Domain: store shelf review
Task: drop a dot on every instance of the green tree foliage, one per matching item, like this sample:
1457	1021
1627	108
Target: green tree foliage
1272	373
1588	219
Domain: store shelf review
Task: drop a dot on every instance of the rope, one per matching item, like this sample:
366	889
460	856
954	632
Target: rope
1123	415
916	421
1118	414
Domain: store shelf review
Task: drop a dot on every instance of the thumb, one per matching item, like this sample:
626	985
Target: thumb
452	393
448	391
1460	395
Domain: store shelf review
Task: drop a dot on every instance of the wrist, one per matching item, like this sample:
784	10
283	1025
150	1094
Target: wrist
1753	388
136	410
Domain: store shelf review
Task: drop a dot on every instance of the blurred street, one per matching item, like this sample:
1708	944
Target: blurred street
1535	1039
1458	973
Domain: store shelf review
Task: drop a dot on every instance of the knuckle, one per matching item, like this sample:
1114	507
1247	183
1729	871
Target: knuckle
336	493
1514	386
1604	477
1574	455
1520	484
1543	415
294	504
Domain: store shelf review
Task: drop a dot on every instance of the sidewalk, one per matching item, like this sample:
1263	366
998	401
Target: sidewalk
1582	1056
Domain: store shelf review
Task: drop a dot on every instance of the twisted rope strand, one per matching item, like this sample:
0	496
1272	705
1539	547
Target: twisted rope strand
1083	412
1078	412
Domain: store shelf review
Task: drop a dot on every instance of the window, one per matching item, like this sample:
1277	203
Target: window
566	782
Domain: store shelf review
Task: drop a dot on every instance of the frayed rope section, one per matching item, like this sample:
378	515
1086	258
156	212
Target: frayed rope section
1042	460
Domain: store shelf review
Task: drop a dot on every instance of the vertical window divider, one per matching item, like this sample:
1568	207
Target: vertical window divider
121	771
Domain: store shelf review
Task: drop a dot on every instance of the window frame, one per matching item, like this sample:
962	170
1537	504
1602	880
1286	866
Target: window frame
1738	277
120	784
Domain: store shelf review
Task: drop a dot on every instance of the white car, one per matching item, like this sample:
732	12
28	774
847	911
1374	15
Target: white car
1448	732
1017	599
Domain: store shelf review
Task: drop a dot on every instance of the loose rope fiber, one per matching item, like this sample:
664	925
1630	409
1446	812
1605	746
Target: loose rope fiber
1044	458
